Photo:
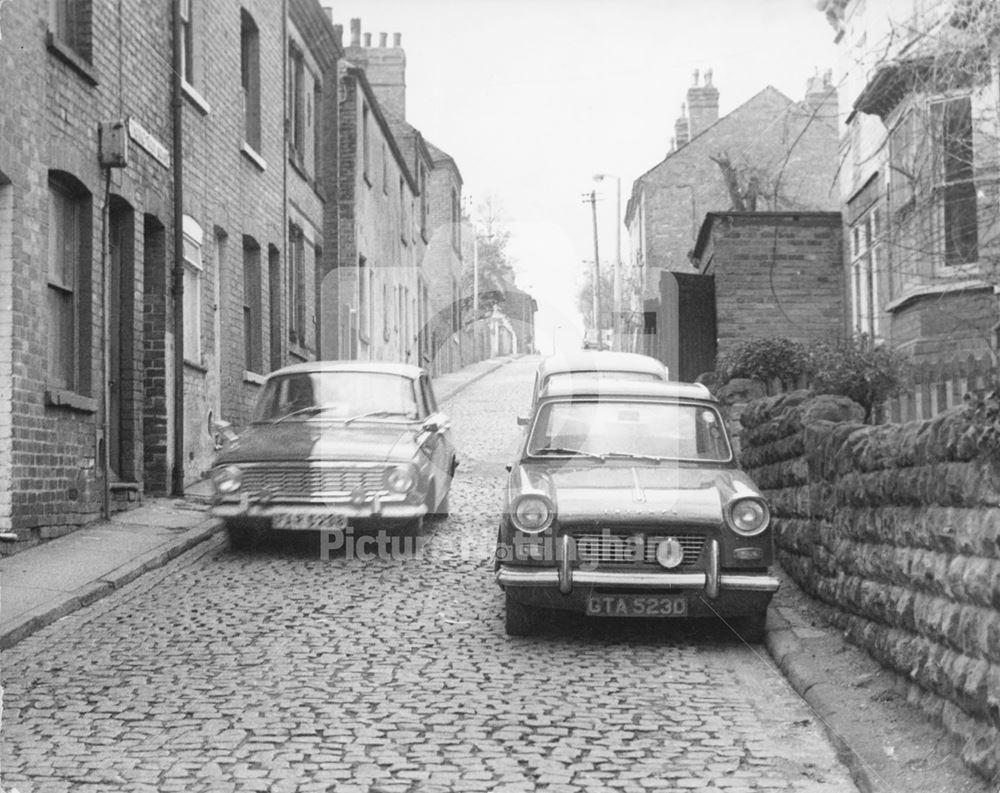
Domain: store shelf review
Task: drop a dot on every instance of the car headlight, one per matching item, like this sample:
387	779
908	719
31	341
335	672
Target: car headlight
748	516
532	514
400	479
227	479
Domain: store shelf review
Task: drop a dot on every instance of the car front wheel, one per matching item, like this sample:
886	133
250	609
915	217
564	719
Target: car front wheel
519	620
244	535
751	628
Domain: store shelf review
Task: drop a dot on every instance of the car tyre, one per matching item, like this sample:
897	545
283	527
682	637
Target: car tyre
752	628
436	511
519	620
244	535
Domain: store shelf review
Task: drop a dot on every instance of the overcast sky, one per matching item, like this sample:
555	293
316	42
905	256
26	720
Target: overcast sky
533	97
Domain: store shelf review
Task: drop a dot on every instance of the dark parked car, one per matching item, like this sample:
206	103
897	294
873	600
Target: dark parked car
332	442
626	501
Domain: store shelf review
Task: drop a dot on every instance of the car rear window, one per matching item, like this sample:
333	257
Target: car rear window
668	430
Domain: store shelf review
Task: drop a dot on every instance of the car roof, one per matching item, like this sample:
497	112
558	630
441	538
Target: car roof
584	386
386	367
600	361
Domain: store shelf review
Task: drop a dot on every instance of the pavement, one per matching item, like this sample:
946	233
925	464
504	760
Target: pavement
887	744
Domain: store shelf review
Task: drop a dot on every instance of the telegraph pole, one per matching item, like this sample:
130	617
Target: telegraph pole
592	198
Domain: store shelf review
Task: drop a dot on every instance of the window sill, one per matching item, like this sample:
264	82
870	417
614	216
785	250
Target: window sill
253	377
251	154
57	397
914	293
71	58
195	98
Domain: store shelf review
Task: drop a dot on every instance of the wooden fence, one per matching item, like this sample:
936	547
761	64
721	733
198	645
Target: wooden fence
936	387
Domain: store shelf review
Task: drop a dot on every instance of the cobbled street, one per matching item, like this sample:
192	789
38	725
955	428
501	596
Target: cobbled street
280	670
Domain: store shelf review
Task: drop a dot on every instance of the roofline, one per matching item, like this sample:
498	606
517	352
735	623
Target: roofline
359	74
643	177
834	217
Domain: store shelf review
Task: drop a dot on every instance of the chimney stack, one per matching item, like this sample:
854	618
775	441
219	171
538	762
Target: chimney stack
703	104
821	96
681	128
384	66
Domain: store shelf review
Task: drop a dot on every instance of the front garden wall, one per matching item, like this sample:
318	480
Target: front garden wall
898	528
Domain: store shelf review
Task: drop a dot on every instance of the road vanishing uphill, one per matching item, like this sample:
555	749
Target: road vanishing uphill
298	668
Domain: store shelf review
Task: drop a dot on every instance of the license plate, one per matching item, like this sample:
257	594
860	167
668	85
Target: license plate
637	606
309	522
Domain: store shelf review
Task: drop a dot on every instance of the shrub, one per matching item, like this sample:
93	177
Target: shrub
859	369
767	360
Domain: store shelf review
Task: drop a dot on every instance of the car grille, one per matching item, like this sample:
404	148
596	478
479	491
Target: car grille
608	548
303	481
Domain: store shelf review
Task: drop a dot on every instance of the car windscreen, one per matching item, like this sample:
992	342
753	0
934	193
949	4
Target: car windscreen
336	395
610	428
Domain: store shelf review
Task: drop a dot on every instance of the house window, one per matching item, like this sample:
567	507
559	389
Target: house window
71	20
193	237
364	300
250	78
386	312
866	261
187	42
317	131
296	286
902	163
423	199
955	190
68	287
385	170
403	224
297	102
365	149
253	349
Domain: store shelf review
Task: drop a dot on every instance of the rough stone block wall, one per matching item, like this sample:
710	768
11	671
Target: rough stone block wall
897	527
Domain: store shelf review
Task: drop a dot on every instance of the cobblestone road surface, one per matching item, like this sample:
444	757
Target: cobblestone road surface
279	670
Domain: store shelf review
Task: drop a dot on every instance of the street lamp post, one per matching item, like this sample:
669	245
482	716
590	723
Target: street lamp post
596	291
616	309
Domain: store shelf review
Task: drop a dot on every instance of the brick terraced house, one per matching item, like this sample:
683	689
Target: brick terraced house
169	236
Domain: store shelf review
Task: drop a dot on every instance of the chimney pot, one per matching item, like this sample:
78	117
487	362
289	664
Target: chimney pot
397	39
368	39
338	34
382	39
356	32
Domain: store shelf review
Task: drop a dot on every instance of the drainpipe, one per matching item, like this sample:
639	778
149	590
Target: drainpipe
105	461
177	474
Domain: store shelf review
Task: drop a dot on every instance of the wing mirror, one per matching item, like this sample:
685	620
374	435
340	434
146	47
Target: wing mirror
222	433
435	423
523	421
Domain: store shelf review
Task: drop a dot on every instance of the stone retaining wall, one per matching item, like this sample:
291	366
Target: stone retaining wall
898	528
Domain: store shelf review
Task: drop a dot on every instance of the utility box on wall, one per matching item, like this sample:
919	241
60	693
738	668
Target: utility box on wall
113	144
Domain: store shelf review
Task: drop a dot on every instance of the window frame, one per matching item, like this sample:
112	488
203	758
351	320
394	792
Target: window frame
193	272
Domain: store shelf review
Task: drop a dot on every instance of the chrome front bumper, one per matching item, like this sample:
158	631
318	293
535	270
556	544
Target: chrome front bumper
565	576
371	508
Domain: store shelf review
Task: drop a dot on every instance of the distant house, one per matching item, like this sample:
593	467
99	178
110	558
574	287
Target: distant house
401	259
770	154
